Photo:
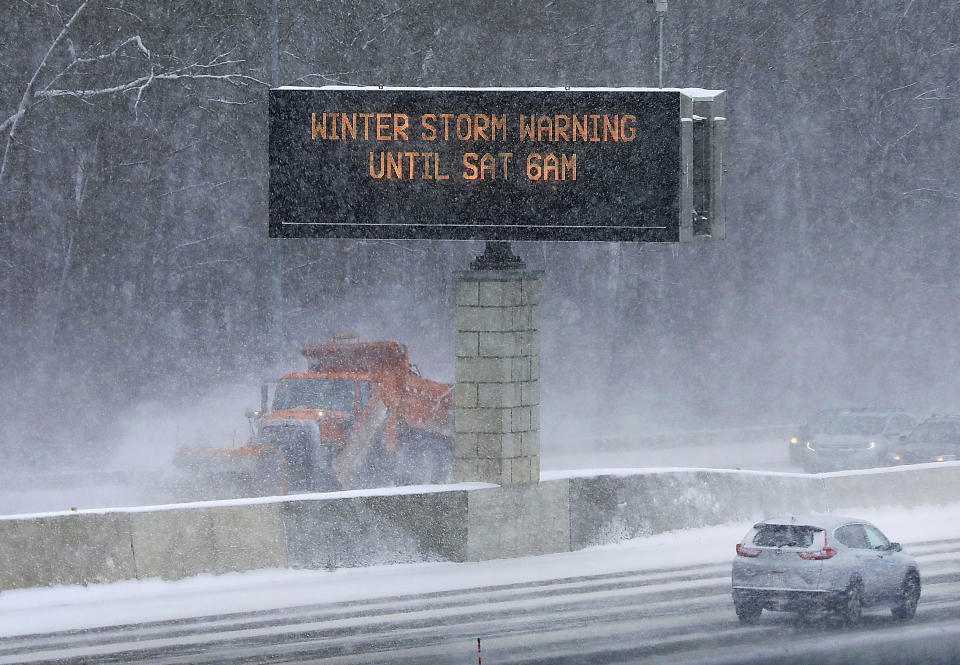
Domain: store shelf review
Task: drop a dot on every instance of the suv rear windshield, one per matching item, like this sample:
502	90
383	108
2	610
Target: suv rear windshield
784	535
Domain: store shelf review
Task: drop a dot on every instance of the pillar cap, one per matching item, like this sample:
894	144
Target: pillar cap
496	275
497	255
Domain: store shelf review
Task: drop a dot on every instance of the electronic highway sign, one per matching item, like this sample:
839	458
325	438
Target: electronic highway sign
605	164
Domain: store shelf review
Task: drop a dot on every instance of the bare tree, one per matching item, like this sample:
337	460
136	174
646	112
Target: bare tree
65	70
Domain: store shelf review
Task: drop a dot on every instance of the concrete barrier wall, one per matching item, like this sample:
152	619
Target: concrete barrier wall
173	544
906	486
605	509
375	530
65	549
469	522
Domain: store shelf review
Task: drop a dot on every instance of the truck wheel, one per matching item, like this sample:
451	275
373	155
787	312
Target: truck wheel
906	606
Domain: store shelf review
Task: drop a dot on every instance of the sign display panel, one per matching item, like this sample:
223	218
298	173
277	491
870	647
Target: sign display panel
479	164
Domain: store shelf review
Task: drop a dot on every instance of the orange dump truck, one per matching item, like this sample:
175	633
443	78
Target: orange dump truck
360	416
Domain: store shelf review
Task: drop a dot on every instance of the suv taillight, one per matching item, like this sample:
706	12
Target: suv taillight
746	551
825	553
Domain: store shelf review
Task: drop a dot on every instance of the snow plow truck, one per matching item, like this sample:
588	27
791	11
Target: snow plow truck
360	416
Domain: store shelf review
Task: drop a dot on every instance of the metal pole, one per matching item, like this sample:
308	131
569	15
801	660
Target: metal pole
660	54
275	43
661	7
275	246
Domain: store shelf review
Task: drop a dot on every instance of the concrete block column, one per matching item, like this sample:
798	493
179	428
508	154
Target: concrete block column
497	393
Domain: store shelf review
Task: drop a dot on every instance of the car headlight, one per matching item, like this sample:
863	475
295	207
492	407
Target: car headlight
794	440
810	446
871	445
896	458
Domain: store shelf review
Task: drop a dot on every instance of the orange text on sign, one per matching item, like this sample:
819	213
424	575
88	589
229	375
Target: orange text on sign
366	126
406	166
551	167
463	127
593	128
486	166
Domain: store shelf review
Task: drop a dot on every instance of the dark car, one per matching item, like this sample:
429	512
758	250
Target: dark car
798	442
856	438
936	439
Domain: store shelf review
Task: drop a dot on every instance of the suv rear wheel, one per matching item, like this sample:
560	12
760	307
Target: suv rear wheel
906	606
851	604
748	610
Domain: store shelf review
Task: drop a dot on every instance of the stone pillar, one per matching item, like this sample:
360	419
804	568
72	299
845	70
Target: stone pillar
497	393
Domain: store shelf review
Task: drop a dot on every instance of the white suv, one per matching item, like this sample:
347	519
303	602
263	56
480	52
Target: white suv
822	562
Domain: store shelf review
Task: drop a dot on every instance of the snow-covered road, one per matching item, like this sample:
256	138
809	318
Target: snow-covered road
663	598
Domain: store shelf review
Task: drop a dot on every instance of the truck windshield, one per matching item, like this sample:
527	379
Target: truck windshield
319	393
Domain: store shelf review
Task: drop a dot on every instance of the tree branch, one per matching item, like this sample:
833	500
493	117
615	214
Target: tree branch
216	69
100	58
144	81
10	125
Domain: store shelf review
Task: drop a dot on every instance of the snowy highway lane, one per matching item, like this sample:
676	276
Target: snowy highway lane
677	611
